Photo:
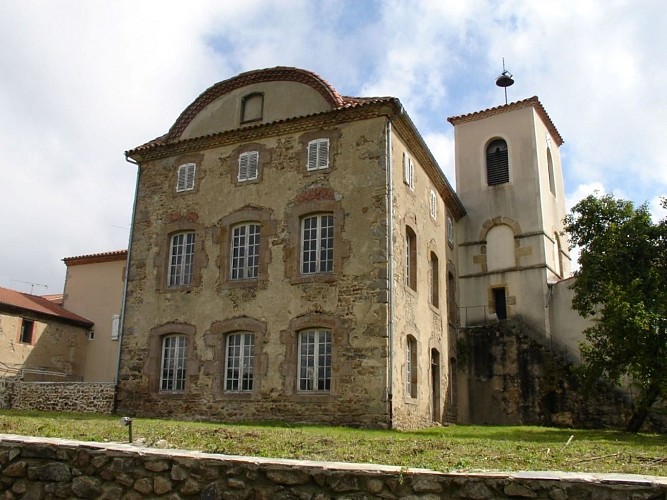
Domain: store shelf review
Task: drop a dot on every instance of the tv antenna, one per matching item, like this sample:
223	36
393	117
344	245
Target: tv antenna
32	284
505	80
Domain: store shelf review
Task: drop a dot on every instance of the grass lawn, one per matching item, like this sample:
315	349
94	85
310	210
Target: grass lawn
453	448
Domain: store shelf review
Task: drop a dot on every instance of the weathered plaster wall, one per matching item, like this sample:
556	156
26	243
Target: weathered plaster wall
52	468
56	346
352	301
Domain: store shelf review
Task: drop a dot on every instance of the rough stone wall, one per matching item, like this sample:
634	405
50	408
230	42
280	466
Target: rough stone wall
507	378
351	301
50	468
60	396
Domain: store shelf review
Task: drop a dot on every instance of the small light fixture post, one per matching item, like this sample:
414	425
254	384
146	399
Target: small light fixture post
127	422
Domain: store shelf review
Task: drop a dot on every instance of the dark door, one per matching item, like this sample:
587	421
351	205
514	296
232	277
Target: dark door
501	303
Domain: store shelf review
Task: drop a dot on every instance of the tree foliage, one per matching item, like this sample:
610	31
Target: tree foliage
622	284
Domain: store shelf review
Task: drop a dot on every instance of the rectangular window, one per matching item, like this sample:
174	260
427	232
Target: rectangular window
411	365
314	360
410	258
239	362
450	231
433	204
186	177
248	166
181	258
27	327
408	171
318	154
245	251
435	281
172	376
317	241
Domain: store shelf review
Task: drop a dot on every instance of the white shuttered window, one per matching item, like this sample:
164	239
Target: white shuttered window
248	166
318	154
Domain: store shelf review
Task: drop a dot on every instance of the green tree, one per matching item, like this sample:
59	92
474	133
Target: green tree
622	284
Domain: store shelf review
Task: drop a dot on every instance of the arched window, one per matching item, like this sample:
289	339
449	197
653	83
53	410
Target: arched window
497	163
239	362
550	167
435	281
500	248
410	258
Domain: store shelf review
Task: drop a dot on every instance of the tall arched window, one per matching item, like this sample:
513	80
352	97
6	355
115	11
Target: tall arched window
497	163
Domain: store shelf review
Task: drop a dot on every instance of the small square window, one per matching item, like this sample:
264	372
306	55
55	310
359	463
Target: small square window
248	166
318	154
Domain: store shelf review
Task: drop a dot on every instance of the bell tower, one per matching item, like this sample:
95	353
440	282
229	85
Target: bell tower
509	178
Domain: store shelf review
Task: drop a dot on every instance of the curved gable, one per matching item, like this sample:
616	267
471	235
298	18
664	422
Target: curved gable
284	93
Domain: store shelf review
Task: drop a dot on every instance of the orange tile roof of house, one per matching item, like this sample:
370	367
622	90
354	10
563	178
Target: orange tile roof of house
533	102
40	305
96	257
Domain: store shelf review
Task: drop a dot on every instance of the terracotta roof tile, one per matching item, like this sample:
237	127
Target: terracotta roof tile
56	298
96	257
533	102
41	305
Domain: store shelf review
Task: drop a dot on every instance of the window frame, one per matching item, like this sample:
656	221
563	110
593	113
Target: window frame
185	177
316	159
244	107
322	340
322	265
245	363
435	281
408	171
242	271
174	382
181	274
433	204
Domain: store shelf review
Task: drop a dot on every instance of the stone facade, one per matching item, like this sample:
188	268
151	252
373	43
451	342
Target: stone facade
52	468
361	300
58	396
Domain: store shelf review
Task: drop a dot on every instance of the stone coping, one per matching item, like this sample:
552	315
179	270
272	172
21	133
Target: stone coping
556	476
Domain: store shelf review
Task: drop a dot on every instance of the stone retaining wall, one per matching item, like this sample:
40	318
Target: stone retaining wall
42	468
82	397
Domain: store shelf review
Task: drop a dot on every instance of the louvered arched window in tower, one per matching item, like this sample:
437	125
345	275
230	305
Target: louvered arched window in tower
497	163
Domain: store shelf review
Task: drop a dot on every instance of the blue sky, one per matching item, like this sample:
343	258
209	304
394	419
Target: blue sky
85	81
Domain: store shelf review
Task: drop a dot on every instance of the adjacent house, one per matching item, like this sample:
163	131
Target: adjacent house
41	341
94	289
299	255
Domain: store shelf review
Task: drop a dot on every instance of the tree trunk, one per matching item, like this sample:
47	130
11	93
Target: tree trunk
641	410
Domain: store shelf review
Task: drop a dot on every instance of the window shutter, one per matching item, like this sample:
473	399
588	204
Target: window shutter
190	176
312	155
433	204
115	326
243	167
406	169
497	163
323	153
182	177
253	161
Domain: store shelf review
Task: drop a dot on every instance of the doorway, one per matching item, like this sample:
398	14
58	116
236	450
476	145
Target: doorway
500	302
435	385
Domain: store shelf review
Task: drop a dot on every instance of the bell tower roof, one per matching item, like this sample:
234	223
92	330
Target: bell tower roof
533	102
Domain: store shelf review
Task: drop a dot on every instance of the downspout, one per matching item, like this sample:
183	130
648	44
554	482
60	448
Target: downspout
121	327
390	270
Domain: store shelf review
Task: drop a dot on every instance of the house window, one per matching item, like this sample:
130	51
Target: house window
239	361
27	328
408	171
91	334
248	166
181	257
450	231
411	367
186	177
433	205
410	258
435	281
318	154
550	168
245	251
172	374
497	163
317	244
314	360
252	107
